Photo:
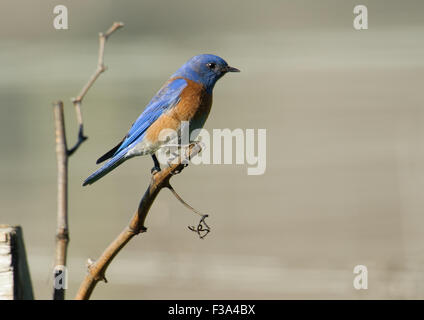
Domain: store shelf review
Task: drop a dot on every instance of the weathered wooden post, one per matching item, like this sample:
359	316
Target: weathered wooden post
15	280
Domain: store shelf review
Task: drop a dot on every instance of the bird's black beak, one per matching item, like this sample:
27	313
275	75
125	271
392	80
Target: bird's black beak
231	69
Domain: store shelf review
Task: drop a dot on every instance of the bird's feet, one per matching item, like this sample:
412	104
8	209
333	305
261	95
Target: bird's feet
173	159
176	171
175	156
155	170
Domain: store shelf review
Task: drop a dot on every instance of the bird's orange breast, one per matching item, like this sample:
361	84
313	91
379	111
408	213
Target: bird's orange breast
194	106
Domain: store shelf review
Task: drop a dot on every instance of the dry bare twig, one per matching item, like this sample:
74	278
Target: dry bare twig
100	69
160	180
62	232
62	156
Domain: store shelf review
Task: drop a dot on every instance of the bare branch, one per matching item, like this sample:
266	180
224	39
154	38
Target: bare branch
62	155
81	137
97	269
100	69
62	232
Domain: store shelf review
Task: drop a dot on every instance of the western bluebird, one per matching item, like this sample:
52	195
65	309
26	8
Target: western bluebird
186	96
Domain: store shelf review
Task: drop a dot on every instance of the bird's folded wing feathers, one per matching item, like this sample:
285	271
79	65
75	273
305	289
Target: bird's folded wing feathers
166	98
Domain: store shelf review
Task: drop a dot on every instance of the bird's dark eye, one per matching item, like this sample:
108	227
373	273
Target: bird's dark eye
211	65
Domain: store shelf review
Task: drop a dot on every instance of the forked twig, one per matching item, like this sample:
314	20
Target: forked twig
62	156
100	69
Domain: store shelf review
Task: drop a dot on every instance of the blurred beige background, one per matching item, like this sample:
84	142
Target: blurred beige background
343	113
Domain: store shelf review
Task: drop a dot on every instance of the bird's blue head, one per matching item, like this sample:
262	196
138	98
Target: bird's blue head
206	69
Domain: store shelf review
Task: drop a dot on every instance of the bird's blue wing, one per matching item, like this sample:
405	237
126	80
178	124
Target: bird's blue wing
167	97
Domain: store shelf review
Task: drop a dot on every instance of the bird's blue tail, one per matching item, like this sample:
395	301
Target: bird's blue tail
106	168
